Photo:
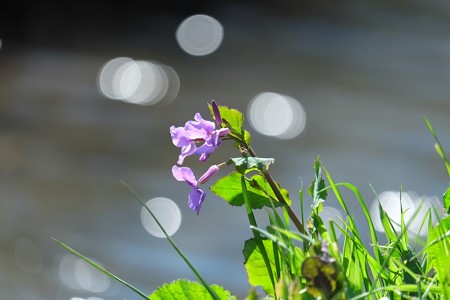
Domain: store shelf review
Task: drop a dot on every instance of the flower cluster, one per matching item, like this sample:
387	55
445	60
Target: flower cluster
188	138
194	132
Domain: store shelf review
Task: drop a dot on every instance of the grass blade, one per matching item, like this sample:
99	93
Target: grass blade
101	269
172	243
438	146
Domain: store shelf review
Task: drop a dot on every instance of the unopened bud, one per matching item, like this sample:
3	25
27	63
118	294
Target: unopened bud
208	174
216	111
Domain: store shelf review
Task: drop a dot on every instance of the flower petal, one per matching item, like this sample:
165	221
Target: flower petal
196	198
187	150
204	156
199	128
184	174
178	135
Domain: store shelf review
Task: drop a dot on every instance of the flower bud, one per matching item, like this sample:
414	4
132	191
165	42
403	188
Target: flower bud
208	174
216	111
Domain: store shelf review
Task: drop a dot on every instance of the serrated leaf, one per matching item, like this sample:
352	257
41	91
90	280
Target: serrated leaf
255	266
184	289
229	188
316	189
446	199
247	163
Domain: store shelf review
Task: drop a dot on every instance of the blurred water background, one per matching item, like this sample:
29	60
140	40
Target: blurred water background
364	74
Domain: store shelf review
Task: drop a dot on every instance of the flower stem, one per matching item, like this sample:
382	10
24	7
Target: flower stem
279	196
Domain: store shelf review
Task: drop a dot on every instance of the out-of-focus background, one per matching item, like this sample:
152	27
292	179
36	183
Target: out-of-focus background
88	92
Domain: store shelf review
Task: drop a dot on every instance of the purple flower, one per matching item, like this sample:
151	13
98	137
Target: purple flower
197	131
196	195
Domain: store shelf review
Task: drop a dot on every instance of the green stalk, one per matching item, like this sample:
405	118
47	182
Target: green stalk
174	246
252	220
280	197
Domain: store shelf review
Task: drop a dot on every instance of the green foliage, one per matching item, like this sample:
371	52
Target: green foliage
259	191
258	274
446	200
245	164
439	253
317	188
184	289
252	295
233	120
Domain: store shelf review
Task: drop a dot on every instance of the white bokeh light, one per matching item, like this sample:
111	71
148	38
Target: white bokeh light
199	35
139	82
168	214
412	206
91	279
276	115
66	271
107	77
77	274
390	201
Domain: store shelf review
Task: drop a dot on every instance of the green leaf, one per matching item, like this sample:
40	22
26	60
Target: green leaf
247	163
317	187
229	188
439	250
255	266
232	117
252	295
184	289
263	187
247	137
446	198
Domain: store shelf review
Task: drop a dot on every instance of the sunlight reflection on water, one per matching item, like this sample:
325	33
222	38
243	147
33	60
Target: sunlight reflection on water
199	35
138	82
167	213
77	274
276	115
